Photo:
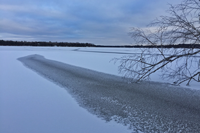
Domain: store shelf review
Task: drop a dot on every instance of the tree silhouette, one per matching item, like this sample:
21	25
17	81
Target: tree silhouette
181	26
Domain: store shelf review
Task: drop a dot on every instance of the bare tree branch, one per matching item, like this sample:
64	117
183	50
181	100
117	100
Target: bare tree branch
182	26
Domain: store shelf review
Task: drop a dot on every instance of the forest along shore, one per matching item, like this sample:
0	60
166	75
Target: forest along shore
145	107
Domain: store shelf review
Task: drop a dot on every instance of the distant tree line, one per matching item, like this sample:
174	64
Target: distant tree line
196	46
78	44
170	46
45	44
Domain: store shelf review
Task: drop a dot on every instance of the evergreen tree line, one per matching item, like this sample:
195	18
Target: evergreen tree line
78	44
197	46
51	44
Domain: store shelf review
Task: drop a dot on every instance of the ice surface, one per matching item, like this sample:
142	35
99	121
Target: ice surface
98	59
147	107
28	101
31	104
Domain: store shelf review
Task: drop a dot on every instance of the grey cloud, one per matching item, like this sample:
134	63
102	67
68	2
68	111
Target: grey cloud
96	21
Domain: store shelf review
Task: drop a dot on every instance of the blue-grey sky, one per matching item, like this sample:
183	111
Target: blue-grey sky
102	22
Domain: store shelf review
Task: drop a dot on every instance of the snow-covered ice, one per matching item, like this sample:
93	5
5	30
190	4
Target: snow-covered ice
147	107
98	59
28	100
31	104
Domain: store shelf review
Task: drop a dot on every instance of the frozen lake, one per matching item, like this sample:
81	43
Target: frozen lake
30	103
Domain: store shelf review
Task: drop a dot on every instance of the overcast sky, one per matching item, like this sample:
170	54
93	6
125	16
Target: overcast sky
102	22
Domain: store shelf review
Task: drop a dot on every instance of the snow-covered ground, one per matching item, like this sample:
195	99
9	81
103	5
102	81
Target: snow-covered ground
30	103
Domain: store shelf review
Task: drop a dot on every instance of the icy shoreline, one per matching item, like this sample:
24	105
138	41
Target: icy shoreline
147	107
